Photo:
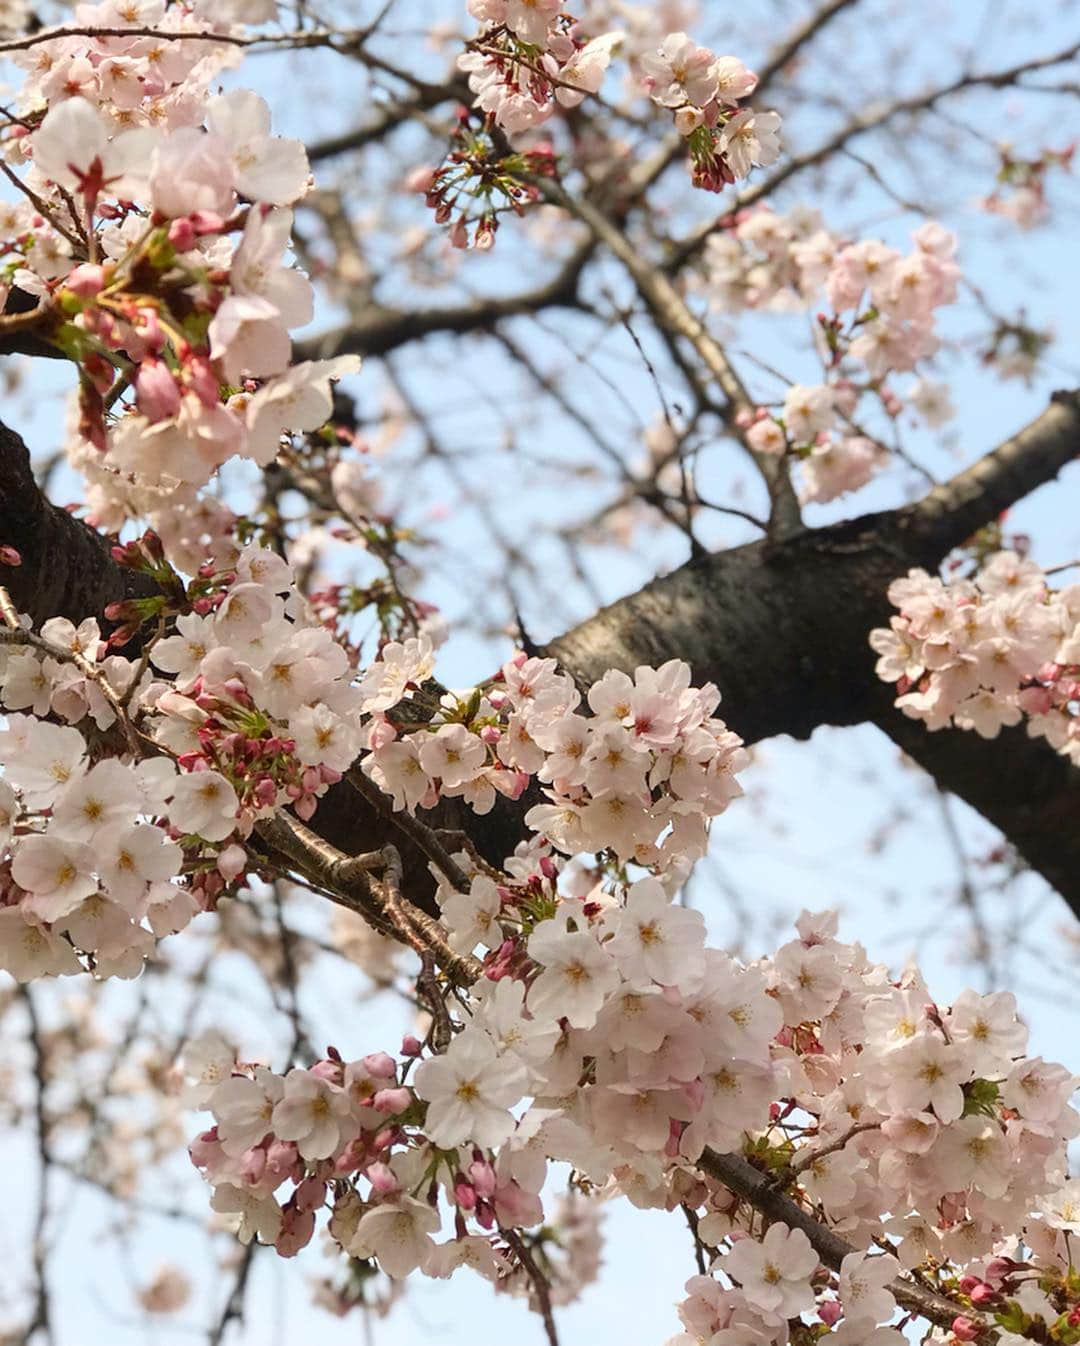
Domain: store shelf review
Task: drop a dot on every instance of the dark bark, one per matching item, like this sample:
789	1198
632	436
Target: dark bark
782	630
67	569
781	627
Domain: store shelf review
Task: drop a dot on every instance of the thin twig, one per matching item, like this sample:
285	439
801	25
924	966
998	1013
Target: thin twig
538	1279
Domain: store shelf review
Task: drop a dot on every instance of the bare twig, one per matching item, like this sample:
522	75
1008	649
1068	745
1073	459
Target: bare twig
537	1278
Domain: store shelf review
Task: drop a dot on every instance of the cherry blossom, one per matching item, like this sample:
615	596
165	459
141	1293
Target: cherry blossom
775	1273
572	1012
468	1090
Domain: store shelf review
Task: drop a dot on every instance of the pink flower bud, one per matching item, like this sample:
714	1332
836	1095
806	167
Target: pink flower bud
352	1157
382	1179
281	1155
829	1312
392	1101
205	1149
149	329
482	1177
464	1195
380	1066
232	862
206	222
86	280
252	1165
310	1195
421	179
411	1046
182	234
983	1295
964	1329
9	556
202	381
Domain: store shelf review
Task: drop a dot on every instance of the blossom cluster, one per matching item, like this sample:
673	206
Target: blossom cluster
882	323
986	652
640	776
153	236
261	708
1020	193
526	62
258	713
703	91
531	58
604	1033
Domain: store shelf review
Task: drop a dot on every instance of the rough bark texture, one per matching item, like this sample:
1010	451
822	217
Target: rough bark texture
782	631
780	627
67	569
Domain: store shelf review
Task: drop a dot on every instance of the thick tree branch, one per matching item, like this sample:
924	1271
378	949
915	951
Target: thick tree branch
67	569
781	627
782	630
956	509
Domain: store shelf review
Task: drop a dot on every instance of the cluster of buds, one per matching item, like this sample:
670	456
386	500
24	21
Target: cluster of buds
241	742
703	92
144	555
528	60
478	181
1020	194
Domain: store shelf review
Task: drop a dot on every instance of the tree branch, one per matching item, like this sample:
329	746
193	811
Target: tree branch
67	569
781	627
383	329
956	509
675	318
800	37
783	632
753	1186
